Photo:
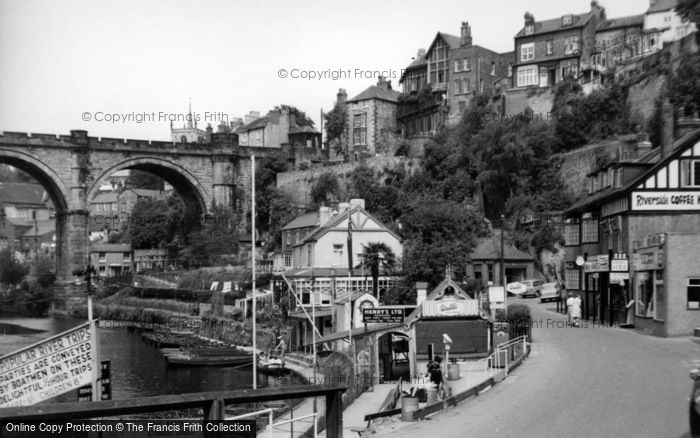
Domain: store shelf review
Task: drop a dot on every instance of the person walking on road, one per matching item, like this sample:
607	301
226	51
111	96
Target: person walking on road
436	378
573	304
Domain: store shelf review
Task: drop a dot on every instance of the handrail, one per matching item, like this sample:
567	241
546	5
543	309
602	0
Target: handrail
271	427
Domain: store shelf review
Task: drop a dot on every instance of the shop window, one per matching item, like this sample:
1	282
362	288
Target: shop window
694	293
645	299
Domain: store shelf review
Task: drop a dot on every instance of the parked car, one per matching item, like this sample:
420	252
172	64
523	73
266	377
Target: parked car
695	404
549	292
532	288
516	288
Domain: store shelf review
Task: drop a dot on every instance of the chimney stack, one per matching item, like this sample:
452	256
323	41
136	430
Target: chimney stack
324	215
421	54
466	39
383	83
421	292
529	18
342	96
357	202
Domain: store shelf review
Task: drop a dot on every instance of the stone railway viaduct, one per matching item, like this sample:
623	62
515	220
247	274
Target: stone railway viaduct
72	167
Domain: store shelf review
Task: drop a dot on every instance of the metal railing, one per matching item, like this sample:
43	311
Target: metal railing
502	355
270	420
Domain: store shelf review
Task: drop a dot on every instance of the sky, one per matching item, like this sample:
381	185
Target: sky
124	68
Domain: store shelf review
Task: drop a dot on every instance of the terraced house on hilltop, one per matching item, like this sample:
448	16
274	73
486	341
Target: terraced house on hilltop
440	82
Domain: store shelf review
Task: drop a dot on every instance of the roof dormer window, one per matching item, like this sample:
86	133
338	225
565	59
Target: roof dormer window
529	29
567	20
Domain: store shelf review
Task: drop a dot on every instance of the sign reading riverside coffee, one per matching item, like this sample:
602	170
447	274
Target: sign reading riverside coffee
48	368
382	315
665	201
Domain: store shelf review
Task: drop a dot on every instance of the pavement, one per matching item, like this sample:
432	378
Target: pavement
592	381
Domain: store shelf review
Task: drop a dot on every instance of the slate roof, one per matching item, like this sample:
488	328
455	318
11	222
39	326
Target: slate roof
377	92
22	193
661	6
42	227
489	248
110	247
303	221
303	129
616	23
105	198
418	62
255	124
554	25
337	219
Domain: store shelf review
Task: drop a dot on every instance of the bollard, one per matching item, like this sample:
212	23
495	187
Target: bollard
408	406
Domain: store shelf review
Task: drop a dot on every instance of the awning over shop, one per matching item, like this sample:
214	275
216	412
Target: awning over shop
359	332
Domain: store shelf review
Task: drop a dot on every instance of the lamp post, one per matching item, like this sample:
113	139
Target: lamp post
87	272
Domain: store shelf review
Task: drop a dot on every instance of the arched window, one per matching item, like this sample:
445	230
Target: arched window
183	139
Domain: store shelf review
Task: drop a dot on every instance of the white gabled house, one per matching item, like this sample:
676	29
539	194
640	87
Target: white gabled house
320	276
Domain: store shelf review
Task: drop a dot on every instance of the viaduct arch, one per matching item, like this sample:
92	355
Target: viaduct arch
72	167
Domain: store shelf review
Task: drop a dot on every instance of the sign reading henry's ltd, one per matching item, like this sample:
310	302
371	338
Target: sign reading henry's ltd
665	201
49	368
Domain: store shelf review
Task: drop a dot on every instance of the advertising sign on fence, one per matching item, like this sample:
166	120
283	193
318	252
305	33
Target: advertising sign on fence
49	368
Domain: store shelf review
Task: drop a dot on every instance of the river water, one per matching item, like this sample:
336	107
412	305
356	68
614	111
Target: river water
138	369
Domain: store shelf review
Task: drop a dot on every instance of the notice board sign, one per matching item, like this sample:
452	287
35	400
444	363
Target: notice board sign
59	364
382	315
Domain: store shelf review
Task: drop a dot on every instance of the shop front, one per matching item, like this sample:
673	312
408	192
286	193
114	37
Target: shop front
606	290
667	284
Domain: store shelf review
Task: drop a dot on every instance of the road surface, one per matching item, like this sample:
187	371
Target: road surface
591	381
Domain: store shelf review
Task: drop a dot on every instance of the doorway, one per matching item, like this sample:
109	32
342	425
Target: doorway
394	362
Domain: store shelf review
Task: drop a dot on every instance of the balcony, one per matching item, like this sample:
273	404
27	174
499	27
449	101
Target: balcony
425	100
440	87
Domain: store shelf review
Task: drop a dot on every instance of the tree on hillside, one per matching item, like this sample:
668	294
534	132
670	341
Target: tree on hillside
377	255
689	10
12	174
281	212
12	269
217	237
335	127
266	189
325	188
684	84
147	226
300	116
145	180
438	232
